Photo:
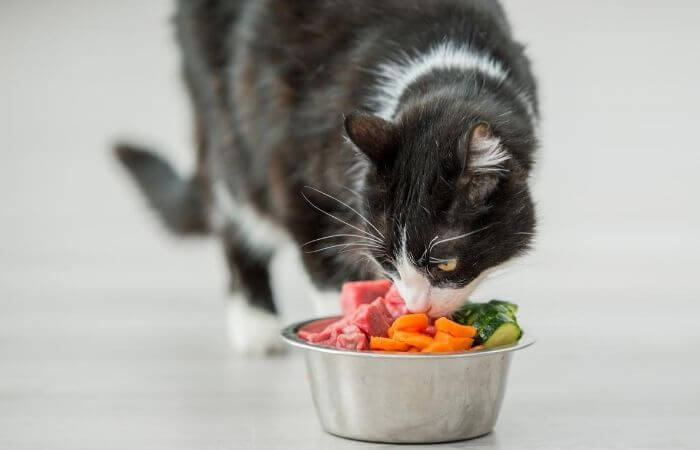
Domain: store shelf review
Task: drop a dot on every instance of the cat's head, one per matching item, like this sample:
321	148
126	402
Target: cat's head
447	192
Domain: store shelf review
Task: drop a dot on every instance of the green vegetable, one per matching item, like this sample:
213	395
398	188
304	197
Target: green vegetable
512	307
506	334
494	321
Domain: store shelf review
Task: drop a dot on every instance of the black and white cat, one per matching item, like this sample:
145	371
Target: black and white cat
388	138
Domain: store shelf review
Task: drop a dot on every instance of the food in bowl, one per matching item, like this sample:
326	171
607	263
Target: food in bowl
375	318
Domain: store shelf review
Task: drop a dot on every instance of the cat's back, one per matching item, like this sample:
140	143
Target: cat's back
279	75
302	38
303	34
258	49
316	58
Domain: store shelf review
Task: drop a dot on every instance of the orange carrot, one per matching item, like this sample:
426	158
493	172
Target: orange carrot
438	347
461	344
457	343
455	329
477	348
411	321
390	345
408	334
414	339
441	336
391	330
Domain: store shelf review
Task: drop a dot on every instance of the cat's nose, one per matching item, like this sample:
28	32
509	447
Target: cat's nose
414	288
417	302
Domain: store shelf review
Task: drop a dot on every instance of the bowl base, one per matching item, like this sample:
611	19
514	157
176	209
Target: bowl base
417	442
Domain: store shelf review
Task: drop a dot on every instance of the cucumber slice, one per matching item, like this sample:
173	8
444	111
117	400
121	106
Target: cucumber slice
506	334
467	313
494	321
511	307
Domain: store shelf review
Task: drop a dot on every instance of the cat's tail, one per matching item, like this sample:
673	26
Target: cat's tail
178	201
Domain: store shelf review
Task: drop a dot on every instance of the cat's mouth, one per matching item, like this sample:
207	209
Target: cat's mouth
436	310
428	302
422	297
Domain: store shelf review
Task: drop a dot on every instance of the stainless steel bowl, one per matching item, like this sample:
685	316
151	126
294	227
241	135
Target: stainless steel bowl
405	397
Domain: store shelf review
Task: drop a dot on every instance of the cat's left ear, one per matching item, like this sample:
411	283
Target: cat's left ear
483	162
484	151
374	136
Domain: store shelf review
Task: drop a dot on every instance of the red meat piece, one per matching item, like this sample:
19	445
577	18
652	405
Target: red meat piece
370	307
357	293
352	338
328	334
373	318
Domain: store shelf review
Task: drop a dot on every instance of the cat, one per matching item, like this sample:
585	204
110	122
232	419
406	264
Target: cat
385	139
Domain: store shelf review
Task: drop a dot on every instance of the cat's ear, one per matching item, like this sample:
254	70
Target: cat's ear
483	163
485	152
374	136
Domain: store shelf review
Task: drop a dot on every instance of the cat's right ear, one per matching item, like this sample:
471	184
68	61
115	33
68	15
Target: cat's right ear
374	136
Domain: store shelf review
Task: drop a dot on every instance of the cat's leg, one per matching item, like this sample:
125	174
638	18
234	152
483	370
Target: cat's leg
252	320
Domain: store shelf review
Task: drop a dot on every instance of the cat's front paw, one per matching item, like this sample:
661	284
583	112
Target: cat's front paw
252	332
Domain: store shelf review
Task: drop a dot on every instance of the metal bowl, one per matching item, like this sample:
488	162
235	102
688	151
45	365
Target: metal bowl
405	397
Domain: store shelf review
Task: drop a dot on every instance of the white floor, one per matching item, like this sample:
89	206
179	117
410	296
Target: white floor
112	333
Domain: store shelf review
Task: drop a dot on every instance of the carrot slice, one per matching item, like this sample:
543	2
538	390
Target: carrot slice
461	344
477	348
438	347
390	345
457	343
441	336
414	339
391	330
411	321
413	350
455	329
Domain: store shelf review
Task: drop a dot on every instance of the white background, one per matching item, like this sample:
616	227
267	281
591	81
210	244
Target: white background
87	274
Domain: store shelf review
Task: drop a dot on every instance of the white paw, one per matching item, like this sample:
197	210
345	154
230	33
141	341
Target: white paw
252	332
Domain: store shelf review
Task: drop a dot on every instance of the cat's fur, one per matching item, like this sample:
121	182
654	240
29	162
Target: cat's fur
404	128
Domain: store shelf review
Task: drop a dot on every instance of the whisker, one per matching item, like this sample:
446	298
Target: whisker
438	260
343	245
428	247
352	191
349	207
355	249
461	236
368	261
334	217
343	235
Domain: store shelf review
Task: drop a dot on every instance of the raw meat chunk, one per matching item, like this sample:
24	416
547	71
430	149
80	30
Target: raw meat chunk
357	293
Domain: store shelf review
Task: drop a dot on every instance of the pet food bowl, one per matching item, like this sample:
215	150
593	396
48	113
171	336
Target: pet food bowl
405	397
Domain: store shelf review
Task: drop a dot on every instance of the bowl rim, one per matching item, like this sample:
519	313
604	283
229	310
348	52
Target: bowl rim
290	336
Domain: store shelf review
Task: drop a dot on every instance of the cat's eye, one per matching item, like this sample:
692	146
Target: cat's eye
448	266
